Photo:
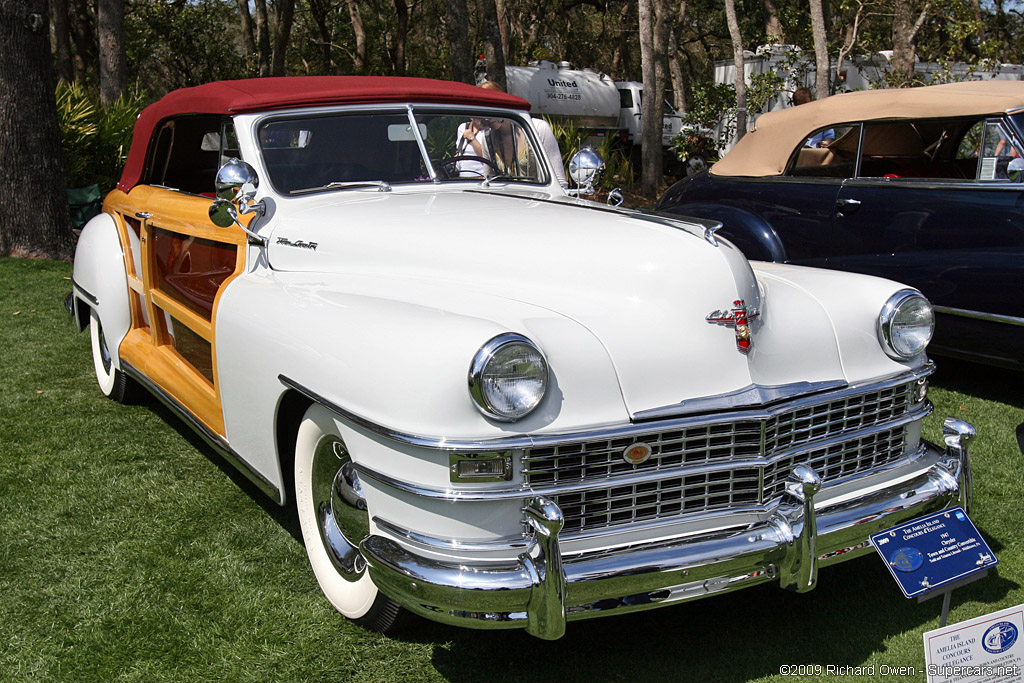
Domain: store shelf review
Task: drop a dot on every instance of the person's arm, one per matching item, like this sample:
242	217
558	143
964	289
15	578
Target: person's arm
551	150
469	134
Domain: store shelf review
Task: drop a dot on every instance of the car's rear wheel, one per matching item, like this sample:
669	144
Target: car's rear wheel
334	519
113	383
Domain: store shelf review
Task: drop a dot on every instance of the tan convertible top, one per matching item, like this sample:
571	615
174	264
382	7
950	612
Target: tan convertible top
766	150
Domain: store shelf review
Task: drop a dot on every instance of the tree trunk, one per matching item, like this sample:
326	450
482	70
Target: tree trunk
492	43
460	51
904	33
675	62
248	38
282	33
772	26
262	37
85	43
33	194
110	30
359	56
506	39
652	51
821	81
739	81
59	12
622	63
401	35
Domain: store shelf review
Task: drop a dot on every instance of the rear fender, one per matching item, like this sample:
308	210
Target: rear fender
753	235
100	282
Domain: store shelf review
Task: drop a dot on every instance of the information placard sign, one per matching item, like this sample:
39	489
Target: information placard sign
986	649
928	553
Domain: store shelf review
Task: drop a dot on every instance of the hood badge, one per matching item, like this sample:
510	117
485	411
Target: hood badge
637	454
300	244
739	318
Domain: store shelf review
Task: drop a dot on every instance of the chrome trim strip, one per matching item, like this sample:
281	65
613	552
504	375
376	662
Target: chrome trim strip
420	143
84	292
979	315
444	545
610	432
753	395
211	438
522	490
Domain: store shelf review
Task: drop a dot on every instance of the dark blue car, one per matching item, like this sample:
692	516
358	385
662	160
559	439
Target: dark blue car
923	186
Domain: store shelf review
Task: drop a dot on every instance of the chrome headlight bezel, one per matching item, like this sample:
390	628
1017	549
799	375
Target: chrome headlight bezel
478	370
889	316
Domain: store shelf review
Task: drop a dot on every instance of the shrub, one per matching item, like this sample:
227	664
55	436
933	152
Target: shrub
95	137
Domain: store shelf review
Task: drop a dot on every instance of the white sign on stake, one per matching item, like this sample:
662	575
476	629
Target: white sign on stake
987	649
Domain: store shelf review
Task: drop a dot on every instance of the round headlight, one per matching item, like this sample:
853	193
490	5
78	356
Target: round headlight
905	324
508	377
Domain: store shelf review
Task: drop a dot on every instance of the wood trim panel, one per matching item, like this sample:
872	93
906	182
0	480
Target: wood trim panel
196	323
150	349
165	368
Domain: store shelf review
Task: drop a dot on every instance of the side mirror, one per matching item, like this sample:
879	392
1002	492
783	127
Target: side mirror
236	181
1015	170
223	213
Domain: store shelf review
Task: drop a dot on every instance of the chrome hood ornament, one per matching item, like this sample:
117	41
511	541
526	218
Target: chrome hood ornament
739	318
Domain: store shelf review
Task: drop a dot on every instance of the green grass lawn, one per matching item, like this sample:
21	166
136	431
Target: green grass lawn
129	551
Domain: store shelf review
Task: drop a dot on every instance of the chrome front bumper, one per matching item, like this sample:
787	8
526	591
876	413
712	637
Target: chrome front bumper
541	592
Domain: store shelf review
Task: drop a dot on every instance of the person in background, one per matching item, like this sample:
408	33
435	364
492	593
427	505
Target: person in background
546	138
822	138
470	143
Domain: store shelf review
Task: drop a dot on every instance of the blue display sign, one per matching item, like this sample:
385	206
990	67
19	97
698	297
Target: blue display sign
930	552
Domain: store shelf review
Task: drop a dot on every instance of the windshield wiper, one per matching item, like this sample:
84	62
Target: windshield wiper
486	182
381	185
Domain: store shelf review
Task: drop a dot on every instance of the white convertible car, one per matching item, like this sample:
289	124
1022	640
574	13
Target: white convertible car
494	404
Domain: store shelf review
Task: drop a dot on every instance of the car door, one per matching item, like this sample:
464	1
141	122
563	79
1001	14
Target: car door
953	227
800	206
178	265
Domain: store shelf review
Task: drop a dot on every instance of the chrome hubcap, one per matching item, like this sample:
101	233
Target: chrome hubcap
104	353
340	508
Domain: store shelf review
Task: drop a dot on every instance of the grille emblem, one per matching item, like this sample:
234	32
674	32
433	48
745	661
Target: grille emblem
637	454
738	317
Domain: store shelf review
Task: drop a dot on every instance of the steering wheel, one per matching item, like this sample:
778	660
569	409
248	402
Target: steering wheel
447	167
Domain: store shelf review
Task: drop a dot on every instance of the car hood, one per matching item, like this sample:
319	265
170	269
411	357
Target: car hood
641	284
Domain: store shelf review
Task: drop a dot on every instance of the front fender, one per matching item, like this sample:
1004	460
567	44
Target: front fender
395	353
753	235
100	281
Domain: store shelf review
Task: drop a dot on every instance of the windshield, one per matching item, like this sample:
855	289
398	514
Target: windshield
366	149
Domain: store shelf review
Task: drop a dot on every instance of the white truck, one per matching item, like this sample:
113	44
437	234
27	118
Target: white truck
601	105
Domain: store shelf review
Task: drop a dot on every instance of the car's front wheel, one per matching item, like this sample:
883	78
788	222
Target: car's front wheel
334	519
113	383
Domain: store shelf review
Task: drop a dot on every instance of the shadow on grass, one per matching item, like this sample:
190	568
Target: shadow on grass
748	634
285	515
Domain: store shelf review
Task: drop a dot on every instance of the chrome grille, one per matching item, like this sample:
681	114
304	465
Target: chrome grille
838	461
703	445
713	461
598	508
816	422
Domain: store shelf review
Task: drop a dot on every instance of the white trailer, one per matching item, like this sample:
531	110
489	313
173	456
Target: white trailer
603	106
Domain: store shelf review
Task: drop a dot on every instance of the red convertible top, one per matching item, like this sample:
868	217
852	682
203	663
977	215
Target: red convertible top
263	94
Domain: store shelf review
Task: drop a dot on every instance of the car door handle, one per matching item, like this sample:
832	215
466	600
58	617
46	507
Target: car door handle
143	215
845	206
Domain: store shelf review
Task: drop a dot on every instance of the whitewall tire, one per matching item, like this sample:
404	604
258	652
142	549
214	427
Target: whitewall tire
334	519
113	383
